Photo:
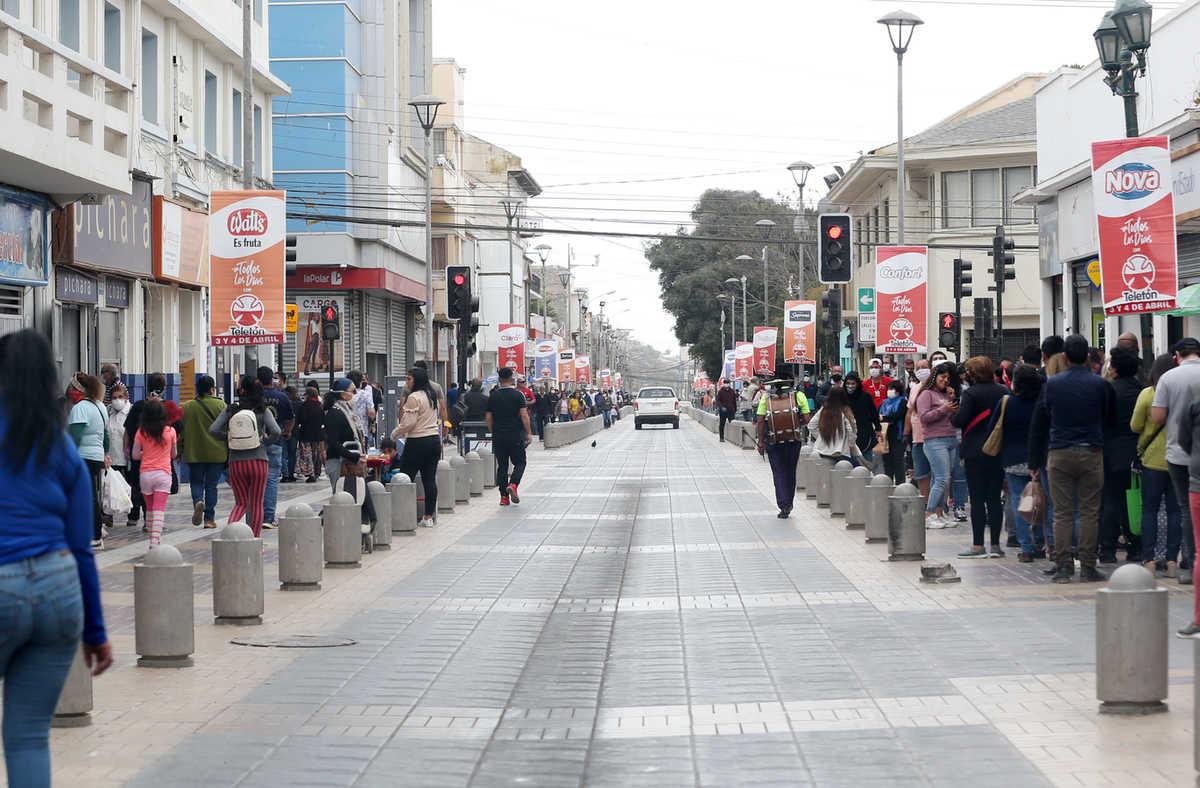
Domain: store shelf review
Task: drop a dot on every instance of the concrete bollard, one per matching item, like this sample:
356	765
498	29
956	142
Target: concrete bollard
802	467
301	549
856	506
809	467
74	709
237	576
475	469
462	479
163	610
878	490
838	481
824	473
382	501
906	524
489	467
445	486
404	503
1131	643
343	532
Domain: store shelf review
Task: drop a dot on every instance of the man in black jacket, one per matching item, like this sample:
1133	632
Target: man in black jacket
866	417
727	403
1120	449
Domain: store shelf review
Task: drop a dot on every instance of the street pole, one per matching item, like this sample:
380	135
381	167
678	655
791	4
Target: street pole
899	148
545	332
247	99
803	246
745	330
764	256
428	252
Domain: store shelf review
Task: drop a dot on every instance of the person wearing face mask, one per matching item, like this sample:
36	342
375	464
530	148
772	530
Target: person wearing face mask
727	402
866	415
118	408
985	473
916	430
808	388
877	382
893	413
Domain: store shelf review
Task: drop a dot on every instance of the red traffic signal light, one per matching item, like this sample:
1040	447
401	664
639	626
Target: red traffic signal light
329	313
835	231
460	280
947	320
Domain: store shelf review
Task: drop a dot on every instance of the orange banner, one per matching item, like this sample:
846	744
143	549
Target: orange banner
246	234
800	332
566	365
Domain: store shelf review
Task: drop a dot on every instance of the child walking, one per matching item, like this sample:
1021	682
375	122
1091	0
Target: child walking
156	446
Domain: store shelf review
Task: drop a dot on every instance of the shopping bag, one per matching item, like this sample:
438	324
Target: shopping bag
117	494
1133	503
1032	506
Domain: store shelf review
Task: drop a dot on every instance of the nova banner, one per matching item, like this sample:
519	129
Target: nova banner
583	369
743	360
511	350
566	365
764	349
1135	214
246	232
545	355
799	332
901	285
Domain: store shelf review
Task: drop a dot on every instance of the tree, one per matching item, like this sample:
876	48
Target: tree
692	272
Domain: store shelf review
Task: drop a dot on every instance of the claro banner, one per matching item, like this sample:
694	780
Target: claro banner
583	369
764	349
511	352
799	331
743	360
545	355
566	365
1135	214
246	232
901	290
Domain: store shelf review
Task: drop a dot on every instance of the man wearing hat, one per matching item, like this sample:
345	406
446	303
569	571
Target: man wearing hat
779	437
876	383
1177	389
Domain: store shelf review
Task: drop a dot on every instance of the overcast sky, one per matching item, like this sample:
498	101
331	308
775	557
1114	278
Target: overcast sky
596	96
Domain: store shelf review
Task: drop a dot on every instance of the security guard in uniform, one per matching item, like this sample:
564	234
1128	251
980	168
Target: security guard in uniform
782	414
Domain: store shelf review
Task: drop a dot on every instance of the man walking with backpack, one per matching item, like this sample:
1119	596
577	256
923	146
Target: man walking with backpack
204	454
782	413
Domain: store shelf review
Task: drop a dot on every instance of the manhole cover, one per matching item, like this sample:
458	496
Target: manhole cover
295	641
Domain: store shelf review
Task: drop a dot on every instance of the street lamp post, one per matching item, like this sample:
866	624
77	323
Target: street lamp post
799	171
512	210
900	27
1122	39
543	253
426	108
766	224
722	298
743	259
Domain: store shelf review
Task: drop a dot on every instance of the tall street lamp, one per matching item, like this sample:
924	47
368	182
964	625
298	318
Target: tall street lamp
512	210
734	281
722	298
900	27
766	224
543	252
1122	39
800	170
426	108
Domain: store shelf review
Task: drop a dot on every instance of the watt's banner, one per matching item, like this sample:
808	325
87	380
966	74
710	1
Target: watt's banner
511	351
605	378
545	355
1135	214
246	231
743	360
566	365
764	349
901	290
583	369
799	332
728	364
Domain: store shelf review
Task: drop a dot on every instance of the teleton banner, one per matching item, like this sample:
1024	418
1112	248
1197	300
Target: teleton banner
764	349
901	293
583	369
511	350
545	359
743	360
799	332
246	231
1135	214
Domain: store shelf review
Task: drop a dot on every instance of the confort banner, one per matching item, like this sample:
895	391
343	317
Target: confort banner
511	351
545	355
901	290
764	349
246	232
1135	216
743	360
799	332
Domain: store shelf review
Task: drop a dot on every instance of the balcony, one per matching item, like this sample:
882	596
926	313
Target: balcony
67	117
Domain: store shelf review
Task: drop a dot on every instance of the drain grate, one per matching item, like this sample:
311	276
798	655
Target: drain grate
295	641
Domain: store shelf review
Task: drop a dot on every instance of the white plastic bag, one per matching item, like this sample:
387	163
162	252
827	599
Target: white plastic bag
117	494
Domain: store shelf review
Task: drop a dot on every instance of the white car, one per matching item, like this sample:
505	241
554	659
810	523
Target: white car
656	405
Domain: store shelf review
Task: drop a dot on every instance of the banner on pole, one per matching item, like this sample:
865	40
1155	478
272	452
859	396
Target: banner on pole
764	349
799	332
246	231
545	354
901	287
566	365
1135	216
583	369
743	360
606	378
511	349
728	363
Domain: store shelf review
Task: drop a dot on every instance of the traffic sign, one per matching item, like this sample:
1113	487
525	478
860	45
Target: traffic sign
866	299
866	328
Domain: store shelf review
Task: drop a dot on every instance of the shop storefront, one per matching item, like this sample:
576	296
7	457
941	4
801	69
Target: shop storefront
24	250
178	300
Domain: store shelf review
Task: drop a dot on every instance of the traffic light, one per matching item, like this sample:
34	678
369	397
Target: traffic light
962	279
948	330
1002	259
331	323
984	327
458	290
831	310
834	247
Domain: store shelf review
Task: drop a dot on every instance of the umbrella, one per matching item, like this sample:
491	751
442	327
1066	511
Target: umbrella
1187	304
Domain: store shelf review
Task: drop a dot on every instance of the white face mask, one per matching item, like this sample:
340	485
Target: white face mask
874	372
118	402
922	375
892	394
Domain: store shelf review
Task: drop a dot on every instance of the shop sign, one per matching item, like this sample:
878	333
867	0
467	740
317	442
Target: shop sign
799	331
180	243
116	292
22	238
1135	219
312	352
902	282
75	287
1093	273
1050	265
114	235
246	234
338	278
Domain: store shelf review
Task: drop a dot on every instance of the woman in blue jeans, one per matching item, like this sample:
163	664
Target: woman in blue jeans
937	402
1014	451
49	587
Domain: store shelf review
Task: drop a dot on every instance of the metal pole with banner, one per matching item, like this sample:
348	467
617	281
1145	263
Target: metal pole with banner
901	285
764	349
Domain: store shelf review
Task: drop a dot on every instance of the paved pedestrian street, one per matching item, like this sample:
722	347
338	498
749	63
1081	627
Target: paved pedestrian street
641	618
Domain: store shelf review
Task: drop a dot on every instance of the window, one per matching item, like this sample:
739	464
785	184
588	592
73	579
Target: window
258	9
236	114
11	7
986	205
1016	180
416	48
112	37
956	199
875	225
210	112
439	142
887	223
149	77
258	141
68	23
858	236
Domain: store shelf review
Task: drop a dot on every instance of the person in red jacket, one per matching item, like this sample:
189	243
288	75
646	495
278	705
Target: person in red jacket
727	405
876	383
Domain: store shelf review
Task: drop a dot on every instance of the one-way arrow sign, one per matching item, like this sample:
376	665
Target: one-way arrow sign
866	299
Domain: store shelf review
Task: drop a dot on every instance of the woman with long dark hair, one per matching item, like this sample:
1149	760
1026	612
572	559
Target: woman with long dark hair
1014	451
47	571
835	433
248	443
423	444
155	446
88	424
985	473
937	402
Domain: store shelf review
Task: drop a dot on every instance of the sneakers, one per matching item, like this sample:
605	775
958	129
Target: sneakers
210	524
995	552
960	513
512	493
197	512
974	552
1061	575
504	500
936	522
1185	577
97	544
1090	574
428	522
1025	558
784	514
269	524
1190	631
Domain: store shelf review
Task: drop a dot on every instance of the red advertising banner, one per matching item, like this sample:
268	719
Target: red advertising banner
511	350
901	291
246	232
1135	214
764	349
800	332
743	360
583	369
566	365
605	378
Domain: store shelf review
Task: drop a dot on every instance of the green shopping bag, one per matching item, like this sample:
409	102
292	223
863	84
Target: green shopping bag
1133	502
